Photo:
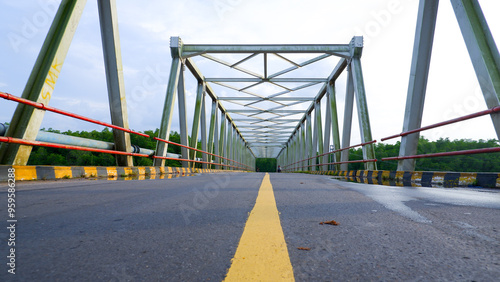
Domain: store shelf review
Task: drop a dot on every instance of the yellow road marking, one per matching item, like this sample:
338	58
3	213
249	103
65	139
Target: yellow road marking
262	253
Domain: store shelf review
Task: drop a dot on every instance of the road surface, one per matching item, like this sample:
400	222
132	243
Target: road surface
189	228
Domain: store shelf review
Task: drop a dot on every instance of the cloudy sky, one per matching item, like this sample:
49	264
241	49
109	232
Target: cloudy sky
388	27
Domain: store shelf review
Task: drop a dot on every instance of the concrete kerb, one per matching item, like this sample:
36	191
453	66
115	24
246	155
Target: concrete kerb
40	172
418	178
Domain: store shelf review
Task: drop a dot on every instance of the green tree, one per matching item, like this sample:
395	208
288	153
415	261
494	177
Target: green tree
266	164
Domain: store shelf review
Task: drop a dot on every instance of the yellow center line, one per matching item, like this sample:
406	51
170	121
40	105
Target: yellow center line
262	253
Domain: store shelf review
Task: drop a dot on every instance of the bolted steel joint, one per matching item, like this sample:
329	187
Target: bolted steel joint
176	46
356	46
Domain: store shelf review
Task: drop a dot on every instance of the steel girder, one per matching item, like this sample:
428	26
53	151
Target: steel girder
482	50
27	120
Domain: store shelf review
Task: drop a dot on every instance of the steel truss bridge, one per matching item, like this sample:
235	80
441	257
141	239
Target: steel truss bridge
270	112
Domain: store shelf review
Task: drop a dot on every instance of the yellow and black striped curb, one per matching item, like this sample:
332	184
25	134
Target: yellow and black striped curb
68	172
419	178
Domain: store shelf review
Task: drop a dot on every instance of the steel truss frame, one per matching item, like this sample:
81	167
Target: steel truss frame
482	51
274	132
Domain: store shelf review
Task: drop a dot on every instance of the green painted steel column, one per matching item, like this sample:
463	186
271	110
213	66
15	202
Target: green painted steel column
196	120
334	122
217	160
363	117
417	85
483	52
181	94
211	131
326	143
348	108
27	120
203	121
222	141
234	146
304	146
114	77
168	108
229	144
295	153
310	148
319	134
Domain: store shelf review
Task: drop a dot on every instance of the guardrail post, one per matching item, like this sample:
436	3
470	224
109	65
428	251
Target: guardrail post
422	49
482	51
168	109
114	77
27	120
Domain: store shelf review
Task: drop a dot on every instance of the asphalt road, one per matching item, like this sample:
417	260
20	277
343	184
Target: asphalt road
188	229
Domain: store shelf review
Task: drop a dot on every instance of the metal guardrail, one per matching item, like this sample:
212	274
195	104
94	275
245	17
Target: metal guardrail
336	151
42	106
440	154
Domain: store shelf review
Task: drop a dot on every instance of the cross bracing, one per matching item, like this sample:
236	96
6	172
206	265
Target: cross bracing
265	93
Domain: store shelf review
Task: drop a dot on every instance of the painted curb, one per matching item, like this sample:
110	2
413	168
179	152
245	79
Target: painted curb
419	178
40	172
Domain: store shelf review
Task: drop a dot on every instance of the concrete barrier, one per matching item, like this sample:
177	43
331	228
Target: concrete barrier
41	172
419	178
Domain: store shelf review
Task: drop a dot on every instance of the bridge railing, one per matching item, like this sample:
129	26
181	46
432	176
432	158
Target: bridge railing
494	110
333	152
439	124
44	107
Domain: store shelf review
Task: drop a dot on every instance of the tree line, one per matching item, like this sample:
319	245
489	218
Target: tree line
488	162
54	156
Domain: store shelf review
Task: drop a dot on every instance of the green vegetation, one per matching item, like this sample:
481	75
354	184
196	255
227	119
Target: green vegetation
266	164
489	162
53	156
468	163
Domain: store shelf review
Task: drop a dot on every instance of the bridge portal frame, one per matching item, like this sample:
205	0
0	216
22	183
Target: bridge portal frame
307	138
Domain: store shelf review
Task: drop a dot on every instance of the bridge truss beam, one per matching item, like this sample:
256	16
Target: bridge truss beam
482	51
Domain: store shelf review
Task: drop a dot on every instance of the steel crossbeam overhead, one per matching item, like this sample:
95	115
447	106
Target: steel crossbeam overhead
263	120
336	49
266	111
300	99
266	127
277	80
